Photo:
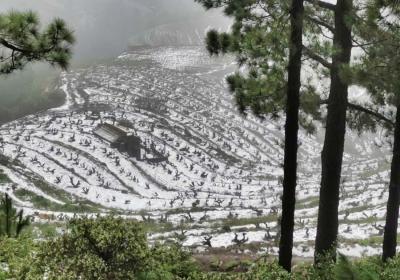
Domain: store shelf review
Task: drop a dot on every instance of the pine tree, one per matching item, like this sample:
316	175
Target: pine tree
291	134
332	153
260	40
22	42
389	53
378	72
392	212
260	49
12	222
352	26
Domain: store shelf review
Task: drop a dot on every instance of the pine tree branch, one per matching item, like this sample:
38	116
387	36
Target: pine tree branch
11	46
375	114
321	23
357	107
19	49
322	4
312	55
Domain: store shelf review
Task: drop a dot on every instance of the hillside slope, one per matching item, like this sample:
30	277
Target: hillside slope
222	173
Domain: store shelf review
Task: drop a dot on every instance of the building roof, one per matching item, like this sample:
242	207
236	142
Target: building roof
109	132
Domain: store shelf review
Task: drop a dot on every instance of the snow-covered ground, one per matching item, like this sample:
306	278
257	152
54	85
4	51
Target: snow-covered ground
223	170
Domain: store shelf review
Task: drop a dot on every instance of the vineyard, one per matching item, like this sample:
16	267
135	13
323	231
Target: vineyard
218	181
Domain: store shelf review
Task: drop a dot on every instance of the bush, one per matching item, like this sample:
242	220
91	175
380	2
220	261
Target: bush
113	248
15	256
391	270
106	248
323	271
360	270
168	263
267	270
344	269
101	248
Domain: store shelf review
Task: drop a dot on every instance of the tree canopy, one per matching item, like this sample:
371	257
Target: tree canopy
22	41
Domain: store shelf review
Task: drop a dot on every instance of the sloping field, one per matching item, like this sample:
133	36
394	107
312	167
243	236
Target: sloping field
221	179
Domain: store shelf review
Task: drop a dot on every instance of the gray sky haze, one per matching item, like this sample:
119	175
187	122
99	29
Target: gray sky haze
104	28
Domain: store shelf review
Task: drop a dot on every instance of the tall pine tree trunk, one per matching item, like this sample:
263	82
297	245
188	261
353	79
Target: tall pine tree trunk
332	153
291	135
8	214
392	212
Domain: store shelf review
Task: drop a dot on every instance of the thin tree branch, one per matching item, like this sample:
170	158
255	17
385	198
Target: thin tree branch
322	23
11	46
375	114
322	4
308	52
370	112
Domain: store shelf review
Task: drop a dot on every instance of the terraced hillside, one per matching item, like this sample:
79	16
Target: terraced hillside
218	181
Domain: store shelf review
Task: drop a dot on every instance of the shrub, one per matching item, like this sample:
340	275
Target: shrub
106	248
363	270
15	256
267	270
168	263
101	248
391	270
114	248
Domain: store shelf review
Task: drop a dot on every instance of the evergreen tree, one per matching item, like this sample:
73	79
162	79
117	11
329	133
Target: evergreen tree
392	212
263	93
291	134
378	71
357	24
332	153
12	222
330	31
22	42
267	38
389	54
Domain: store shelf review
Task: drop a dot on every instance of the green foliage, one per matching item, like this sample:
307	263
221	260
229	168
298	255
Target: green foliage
106	248
363	269
345	270
267	270
391	269
259	44
3	177
23	42
324	270
102	248
217	43
113	248
12	222
168	262
15	254
39	202
259	39
377	70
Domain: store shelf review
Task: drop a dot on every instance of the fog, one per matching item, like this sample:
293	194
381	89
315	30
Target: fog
104	28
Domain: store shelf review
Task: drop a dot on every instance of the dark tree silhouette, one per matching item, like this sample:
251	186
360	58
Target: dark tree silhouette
273	83
291	135
12	222
332	153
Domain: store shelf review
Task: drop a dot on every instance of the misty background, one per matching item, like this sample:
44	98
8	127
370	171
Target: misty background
103	29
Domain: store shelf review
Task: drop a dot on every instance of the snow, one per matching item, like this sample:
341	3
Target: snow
221	166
